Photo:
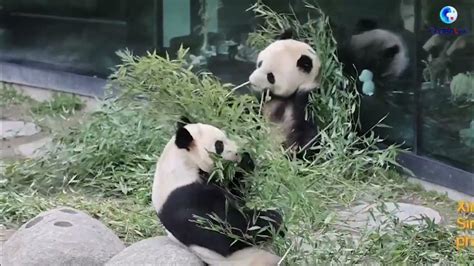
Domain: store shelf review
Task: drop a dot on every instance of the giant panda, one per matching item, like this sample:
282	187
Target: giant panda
289	71
381	51
181	192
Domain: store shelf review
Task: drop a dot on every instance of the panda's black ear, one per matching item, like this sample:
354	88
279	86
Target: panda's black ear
287	34
184	139
182	122
391	51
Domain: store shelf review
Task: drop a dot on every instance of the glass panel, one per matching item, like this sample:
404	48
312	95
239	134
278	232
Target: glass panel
393	97
77	36
215	32
447	92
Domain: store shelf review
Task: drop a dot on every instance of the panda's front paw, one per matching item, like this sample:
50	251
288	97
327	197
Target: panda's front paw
247	163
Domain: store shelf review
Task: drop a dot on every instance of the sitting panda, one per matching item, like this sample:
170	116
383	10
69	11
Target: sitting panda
181	192
289	71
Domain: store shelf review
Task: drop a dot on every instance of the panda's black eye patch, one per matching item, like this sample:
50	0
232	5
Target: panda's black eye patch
259	64
271	78
391	51
305	63
219	145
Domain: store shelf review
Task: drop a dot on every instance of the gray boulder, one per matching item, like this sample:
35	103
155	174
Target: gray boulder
155	251
62	236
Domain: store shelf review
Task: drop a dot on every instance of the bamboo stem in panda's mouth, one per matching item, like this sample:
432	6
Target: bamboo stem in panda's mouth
236	88
263	99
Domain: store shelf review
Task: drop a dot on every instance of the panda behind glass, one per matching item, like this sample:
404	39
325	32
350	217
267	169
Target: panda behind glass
289	71
181	191
381	51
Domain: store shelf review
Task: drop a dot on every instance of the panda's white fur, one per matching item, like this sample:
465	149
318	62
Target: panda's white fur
280	58
177	167
179	194
245	257
383	39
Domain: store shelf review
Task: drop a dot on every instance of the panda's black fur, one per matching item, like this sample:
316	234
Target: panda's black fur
304	130
286	104
203	197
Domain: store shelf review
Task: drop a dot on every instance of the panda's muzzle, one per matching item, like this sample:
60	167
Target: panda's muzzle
255	87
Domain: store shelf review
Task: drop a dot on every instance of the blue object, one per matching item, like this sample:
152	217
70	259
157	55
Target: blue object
448	14
368	86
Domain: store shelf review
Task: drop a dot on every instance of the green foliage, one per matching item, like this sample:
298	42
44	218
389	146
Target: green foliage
10	96
223	170
394	243
61	104
112	156
462	86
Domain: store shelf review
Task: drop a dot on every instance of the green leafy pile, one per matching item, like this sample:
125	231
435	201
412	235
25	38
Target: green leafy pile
111	154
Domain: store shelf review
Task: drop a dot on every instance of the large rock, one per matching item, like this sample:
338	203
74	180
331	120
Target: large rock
11	129
155	251
368	215
5	234
61	236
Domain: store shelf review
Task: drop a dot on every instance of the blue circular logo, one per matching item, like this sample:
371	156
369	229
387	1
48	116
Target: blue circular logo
448	14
